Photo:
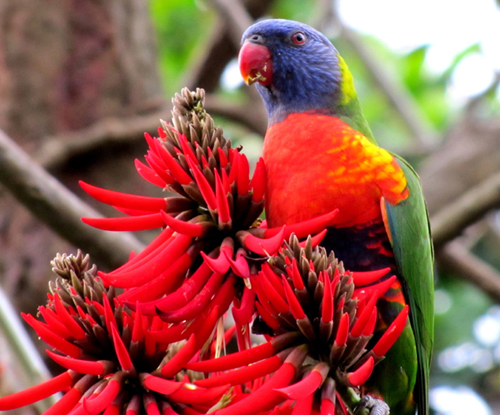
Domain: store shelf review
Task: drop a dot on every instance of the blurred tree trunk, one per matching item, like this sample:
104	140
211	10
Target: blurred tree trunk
64	65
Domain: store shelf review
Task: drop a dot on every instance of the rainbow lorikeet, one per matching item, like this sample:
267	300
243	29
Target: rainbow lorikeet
320	154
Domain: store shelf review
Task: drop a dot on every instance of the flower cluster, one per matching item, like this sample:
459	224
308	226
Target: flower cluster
320	319
148	337
113	359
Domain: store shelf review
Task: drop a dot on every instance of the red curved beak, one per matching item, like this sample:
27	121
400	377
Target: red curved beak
255	64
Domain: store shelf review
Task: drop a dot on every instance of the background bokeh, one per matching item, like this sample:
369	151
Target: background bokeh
81	80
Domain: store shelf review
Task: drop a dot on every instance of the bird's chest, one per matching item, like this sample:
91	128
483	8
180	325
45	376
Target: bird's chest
317	163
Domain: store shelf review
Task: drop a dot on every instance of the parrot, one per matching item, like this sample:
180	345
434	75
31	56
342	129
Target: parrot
320	154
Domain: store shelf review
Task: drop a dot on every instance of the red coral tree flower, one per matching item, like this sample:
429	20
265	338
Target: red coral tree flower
114	364
319	330
211	234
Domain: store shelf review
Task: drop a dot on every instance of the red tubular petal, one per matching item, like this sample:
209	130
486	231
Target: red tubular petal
198	396
343	330
161	131
171	334
362	320
274	297
263	247
303	405
52	339
163	283
328	397
159	167
240	265
37	392
53	322
273	278
149	174
151	250
150	404
137	330
361	278
182	296
220	265
271	320
222	203
66	404
112	409
156	266
234	160
245	357
244	374
180	359
258	183
173	166
109	316
308	384
243	314
308	227
266	397
197	304
327	304
295	307
370	326
113	198
392	333
187	228
121	351
204	186
98	403
127	223
295	276
160	385
193	345
134	406
361	375
243	176
222	158
87	367
186	148
71	324
380	288
204	333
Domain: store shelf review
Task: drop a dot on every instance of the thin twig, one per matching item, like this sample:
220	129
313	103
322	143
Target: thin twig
60	209
451	220
455	257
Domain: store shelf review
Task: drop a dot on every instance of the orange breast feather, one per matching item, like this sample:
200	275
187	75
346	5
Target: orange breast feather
317	163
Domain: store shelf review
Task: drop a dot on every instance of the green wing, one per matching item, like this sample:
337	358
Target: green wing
411	242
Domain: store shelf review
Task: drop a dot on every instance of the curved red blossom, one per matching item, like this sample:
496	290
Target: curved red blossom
113	352
307	293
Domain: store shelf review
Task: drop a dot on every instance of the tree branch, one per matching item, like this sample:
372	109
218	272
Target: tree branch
59	149
455	257
57	207
237	17
453	218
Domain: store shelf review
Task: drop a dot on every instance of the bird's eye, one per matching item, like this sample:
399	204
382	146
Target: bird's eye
256	38
299	38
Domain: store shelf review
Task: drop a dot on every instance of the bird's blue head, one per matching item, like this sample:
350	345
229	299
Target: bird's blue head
295	67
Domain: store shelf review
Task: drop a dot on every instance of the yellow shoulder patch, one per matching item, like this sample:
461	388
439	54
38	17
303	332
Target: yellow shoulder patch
347	85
